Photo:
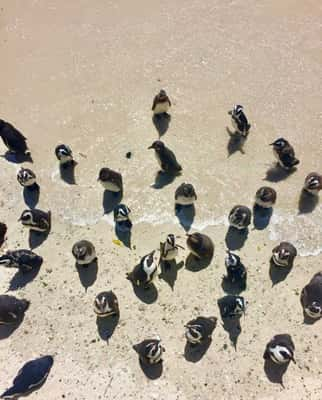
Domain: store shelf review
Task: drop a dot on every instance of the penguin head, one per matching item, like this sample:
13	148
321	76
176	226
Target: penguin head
193	333
162	93
3	229
121	212
26	217
2	124
231	260
104	174
314	310
154	350
157	146
105	304
171	240
5	260
279	143
188	190
240	306
237	109
80	252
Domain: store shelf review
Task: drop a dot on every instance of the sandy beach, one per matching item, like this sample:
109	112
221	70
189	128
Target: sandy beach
84	73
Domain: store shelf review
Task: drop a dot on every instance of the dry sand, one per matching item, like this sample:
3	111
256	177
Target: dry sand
85	73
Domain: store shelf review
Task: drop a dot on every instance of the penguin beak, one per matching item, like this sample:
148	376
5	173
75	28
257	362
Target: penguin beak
150	147
19	219
271	144
230	112
293	360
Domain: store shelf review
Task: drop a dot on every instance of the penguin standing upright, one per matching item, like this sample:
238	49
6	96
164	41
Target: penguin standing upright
12	310
166	158
200	245
199	330
239	120
161	103
27	178
232	306
284	154
12	138
122	215
3	231
144	273
36	220
64	155
84	253
311	297
25	260
106	304
265	197
185	195
150	351
280	349
111	180
313	183
169	249
236	271
284	255
240	217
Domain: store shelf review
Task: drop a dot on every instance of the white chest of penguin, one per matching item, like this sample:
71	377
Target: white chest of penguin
170	253
112	187
158	159
161	108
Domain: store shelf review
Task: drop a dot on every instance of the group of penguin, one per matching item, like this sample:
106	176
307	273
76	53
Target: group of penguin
279	350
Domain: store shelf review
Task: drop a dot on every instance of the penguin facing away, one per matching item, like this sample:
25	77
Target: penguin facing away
200	245
200	330
280	349
106	304
284	154
161	103
185	195
144	273
25	260
110	180
12	310
265	197
12	138
311	297
36	220
150	351
166	158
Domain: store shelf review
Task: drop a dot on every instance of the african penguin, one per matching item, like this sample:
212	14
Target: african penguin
84	253
166	158
144	273
25	260
161	103
239	120
311	297
199	330
169	249
27	178
236	271
106	304
185	195
240	217
3	231
265	197
36	220
12	138
122	215
280	349
12	309
110	180
313	183
284	153
232	306
64	154
284	255
29	378
150	351
200	245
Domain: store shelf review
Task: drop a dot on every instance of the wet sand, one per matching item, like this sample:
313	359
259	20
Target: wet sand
85	74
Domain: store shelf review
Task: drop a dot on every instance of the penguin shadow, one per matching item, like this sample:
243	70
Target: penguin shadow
17	158
36	238
31	196
147	295
169	272
163	179
87	274
235	238
276	173
261	217
275	372
123	234
111	200
277	274
195	264
307	202
21	279
185	215
233	328
67	172
106	326
194	353
161	122
232	288
235	143
8	330
151	371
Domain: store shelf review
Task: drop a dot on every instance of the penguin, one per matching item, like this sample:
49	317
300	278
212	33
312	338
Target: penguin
161	103
313	183
84	253
29	378
122	215
150	351
12	310
280	349
110	180
265	197
3	232
166	158
240	217
239	121
169	249
36	220
25	260
106	304
12	138
200	330
64	155
284	255
144	273
27	178
311	297
232	306
185	195
236	271
284	154
200	245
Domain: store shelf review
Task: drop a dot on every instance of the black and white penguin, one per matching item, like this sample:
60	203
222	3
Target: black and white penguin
150	351
236	271
144	273
185	195
25	260
284	154
199	330
36	220
29	378
284	255
313	183
110	180
232	306
3	232
12	310
311	297
106	304
122	215
84	253
64	154
161	103
239	120
240	217
27	178
166	158
265	197
200	245
12	138
280	349
170	248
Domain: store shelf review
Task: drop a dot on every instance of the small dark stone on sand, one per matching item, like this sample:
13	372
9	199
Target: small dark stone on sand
129	154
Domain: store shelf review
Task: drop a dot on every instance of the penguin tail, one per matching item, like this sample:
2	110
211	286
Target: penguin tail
26	304
295	162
